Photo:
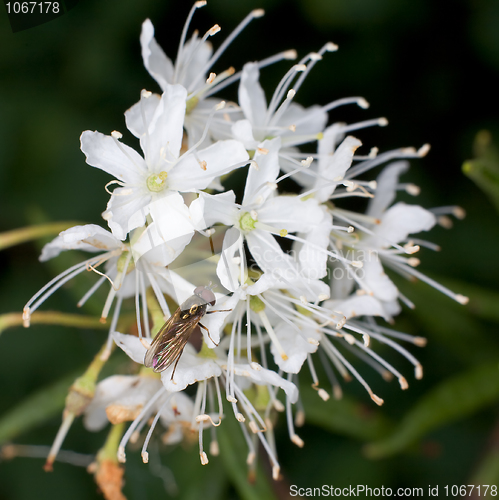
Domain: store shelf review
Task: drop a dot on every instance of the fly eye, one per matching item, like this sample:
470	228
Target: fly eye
193	309
206	295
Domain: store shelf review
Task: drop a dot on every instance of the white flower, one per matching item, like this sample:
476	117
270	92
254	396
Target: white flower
197	368
385	230
263	214
194	59
290	121
127	276
163	172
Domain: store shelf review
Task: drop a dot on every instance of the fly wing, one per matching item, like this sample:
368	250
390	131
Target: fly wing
168	345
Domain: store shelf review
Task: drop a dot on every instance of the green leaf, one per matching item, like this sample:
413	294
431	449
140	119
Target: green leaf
345	416
233	452
453	399
35	409
484	169
488	469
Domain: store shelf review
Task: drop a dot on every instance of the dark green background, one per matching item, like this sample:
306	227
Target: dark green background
430	67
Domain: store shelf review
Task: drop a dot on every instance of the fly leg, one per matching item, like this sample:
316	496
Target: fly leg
208	331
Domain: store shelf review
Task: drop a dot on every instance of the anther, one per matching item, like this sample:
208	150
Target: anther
250	458
214	448
382	122
420	341
145	93
412	189
459	212
418	372
349	338
26	317
211	78
214	30
362	103
258	13
263	151
116	135
323	394
423	150
145	457
204	458
278	405
331	47
377	399
254	428
403	383
462	299
307	162
297	440
290	54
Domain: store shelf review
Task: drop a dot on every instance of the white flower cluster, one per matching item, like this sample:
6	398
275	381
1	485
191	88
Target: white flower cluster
300	280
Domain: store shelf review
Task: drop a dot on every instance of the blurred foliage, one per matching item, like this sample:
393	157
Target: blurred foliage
432	74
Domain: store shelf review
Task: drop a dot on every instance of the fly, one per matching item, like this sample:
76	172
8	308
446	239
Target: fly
169	343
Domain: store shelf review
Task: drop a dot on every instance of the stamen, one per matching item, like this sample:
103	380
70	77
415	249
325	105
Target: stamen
124	440
67	420
197	5
252	15
144	454
272	335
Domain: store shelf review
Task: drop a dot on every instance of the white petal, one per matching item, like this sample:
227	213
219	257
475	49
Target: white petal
376	280
127	209
335	168
251	95
122	162
216	321
341	281
398	222
242	131
313	260
166	237
194	57
165	131
228	268
260	182
106	391
291	213
357	305
131	345
209	209
90	238
179	409
196	171
264	377
294	345
140	114
308	121
386	189
190	369
156	62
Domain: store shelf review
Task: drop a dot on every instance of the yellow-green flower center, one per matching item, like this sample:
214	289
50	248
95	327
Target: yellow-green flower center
156	182
246	222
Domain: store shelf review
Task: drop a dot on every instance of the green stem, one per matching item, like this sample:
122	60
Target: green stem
24	234
10	320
